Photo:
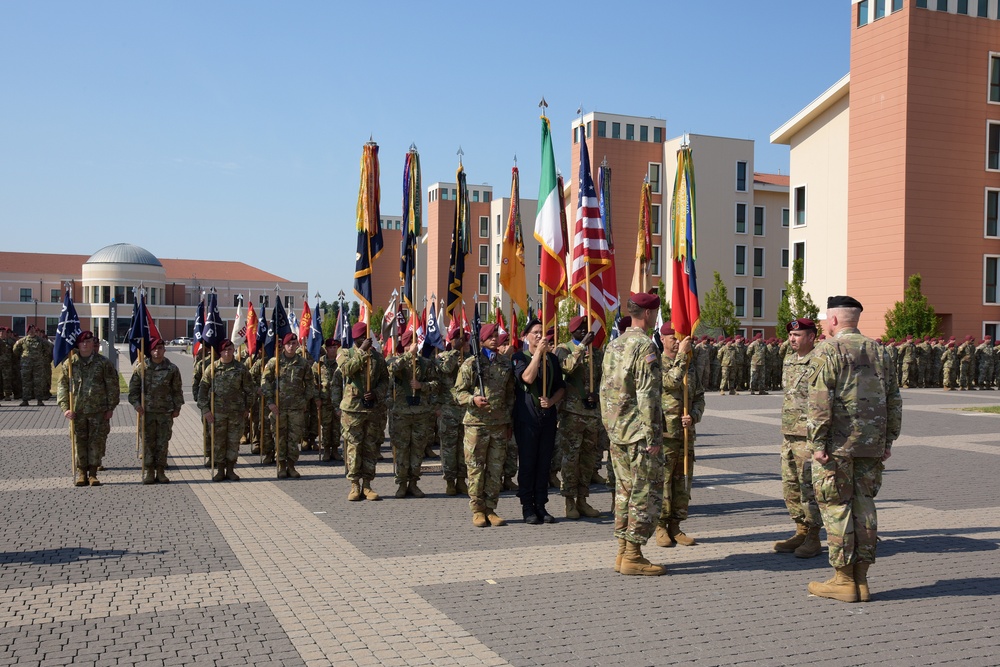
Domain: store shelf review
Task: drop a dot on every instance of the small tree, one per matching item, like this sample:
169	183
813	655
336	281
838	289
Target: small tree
717	311
376	321
661	290
796	302
914	315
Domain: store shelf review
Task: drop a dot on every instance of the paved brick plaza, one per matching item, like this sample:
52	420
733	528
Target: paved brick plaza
290	573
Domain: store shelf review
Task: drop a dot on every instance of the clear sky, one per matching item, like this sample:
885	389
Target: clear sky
233	130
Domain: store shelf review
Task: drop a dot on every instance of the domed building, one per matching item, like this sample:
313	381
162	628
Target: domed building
33	285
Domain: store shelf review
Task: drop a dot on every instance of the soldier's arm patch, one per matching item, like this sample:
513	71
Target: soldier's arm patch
651	357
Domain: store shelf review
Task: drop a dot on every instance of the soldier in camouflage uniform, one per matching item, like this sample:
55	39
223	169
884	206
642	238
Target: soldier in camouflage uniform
330	384
487	424
579	432
633	415
757	355
729	372
415	384
450	428
925	362
156	391
289	392
855	413
908	353
949	364
510	461
966	354
35	353
95	394
6	366
366	382
984	364
676	497
701	361
715	348
201	362
226	396
796	459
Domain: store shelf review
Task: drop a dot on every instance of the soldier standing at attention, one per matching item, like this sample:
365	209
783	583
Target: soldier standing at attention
633	416
579	432
676	498
366	381
984	364
6	366
415	381
331	392
796	459
234	393
96	394
288	391
757	354
485	387
160	380
727	364
35	354
450	427
855	413
908	354
510	461
949	361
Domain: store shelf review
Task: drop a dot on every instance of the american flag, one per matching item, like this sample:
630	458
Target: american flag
590	247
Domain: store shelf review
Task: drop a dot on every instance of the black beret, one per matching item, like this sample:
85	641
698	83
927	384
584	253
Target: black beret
843	302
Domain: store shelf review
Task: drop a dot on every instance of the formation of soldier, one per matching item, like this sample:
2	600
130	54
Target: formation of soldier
948	364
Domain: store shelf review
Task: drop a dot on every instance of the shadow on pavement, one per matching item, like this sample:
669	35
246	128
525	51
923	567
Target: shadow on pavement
66	555
971	586
941	543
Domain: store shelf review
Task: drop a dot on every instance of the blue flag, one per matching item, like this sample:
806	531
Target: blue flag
261	330
214	331
343	329
315	343
66	331
138	330
199	325
432	336
279	327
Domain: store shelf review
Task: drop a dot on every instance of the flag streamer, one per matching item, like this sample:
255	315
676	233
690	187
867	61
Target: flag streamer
512	274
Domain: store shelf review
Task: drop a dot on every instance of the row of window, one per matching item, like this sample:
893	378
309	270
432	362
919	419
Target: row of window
443	195
964	7
616	131
759	215
740	302
872	11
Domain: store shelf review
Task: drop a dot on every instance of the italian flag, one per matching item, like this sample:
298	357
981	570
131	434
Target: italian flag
548	228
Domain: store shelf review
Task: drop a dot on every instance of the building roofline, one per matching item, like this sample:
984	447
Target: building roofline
833	94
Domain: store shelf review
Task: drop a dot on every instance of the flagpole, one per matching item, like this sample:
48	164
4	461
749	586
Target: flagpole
141	421
545	365
590	327
72	427
212	407
687	447
277	382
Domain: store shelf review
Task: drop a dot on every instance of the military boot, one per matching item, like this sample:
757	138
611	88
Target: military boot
449	488
93	476
861	579
290	469
840	587
23	403
282	470
220	473
268	459
571	511
597	479
553	480
81	477
401	490
585	509
161	477
663	538
369	494
336	454
230	473
509	484
326	454
811	546
462	486
621	554
149	476
40	403
414	490
633	562
355	493
793	542
479	520
495	519
255	450
678	536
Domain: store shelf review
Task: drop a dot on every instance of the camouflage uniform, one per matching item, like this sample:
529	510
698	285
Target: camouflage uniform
925	363
966	356
36	354
727	362
676	497
6	367
701	362
450	428
201	362
331	392
235	393
984	365
908	353
293	396
486	429
949	362
796	458
578	435
855	412
363	427
260	428
95	393
633	416
757	354
714	381
412	427
164	395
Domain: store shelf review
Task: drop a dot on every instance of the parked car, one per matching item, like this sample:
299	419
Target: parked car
181	341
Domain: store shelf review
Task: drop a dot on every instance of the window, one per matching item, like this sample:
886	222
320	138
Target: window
758	262
589	124
602	128
630	132
654	177
497	289
654	261
50	326
499	225
236	301
19	325
654	218
991	329
130	294
658	135
152	296
756	332
740	301
984	6
963	6
862	13
942	5
539	257
106	294
993	146
444	194
484	283
922	4
289	302
741	176
643	133
897	5
992	201
741	218
26	295
475	195
784	258
484	226
264	300
453	196
994	78
758	302
799	253
880	8
616	130
990	279
54	296
800	206
95	294
784	217
484	255
741	260
498	255
484	310
758	220
487	195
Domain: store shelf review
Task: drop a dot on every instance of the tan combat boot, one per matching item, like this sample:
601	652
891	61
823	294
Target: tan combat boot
449	488
678	536
401	490
571	511
355	493
149	477
585	509
161	477
282	470
495	519
292	472
861	580
621	554
462	486
414	490
220	474
793	542
633	562
811	546
479	520
93	476
230	473
840	587
81	477
366	490
663	537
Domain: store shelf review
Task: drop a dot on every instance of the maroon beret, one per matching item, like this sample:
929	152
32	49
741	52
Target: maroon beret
359	330
666	329
487	331
502	339
577	322
289	337
154	341
624	323
84	335
406	339
455	333
331	342
801	323
645	300
222	346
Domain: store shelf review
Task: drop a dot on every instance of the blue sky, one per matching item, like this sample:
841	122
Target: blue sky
233	130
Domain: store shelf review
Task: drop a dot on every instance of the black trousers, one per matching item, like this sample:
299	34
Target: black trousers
536	438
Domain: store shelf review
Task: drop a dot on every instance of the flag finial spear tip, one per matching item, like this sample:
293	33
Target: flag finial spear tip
543	104
413	147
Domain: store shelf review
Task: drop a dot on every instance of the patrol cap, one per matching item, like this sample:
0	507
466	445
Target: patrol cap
577	322
84	336
289	337
487	331
666	329
803	323
645	300
222	346
843	302
359	330
154	342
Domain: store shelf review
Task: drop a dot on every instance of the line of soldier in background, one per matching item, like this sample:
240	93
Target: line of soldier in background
947	364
